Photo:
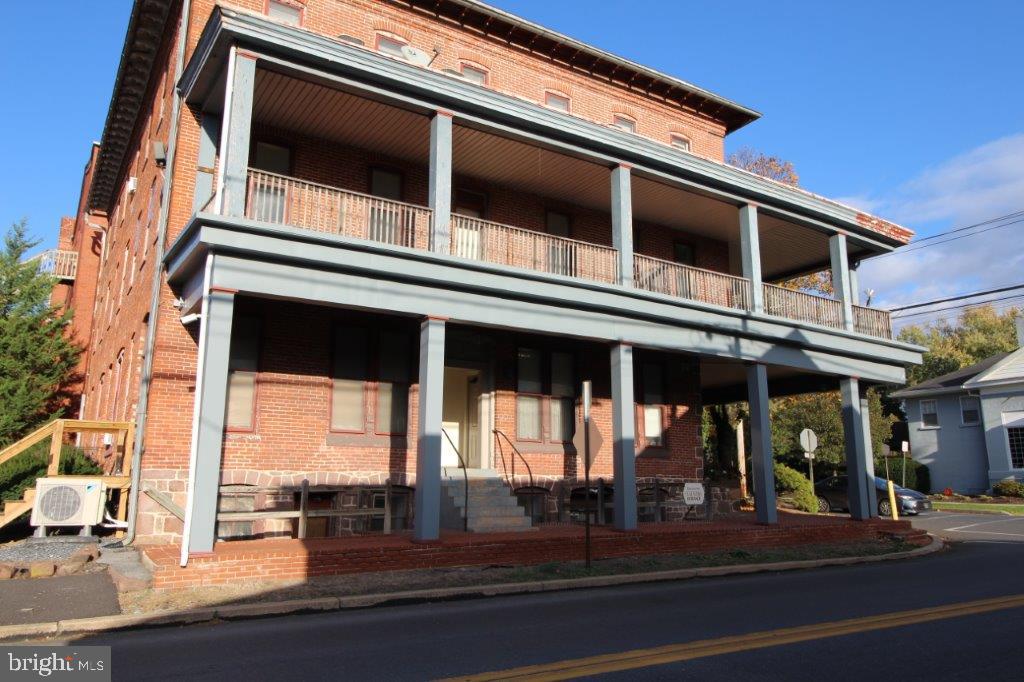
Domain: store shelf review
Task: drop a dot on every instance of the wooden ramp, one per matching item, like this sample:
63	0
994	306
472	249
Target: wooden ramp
117	478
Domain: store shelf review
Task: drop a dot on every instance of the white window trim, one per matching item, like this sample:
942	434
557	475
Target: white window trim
1011	422
559	95
679	136
929	427
966	423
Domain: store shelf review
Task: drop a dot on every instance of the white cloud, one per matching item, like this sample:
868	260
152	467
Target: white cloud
983	183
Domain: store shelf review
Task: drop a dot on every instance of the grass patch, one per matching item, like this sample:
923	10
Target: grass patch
1015	509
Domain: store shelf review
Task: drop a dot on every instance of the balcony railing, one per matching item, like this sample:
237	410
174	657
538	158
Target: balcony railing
799	305
59	263
282	200
872	321
707	286
506	245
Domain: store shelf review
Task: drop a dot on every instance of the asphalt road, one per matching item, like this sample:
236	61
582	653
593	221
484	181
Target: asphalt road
958	527
428	641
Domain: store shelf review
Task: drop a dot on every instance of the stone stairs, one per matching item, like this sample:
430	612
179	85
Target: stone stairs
492	506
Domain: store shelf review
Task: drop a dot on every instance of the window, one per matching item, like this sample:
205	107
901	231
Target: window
929	413
653	398
347	407
474	74
285	12
390	223
386	184
560	254
1015	434
243	364
528	400
469	203
390	46
970	411
557	101
680	142
624	123
393	383
563	387
682	253
268	196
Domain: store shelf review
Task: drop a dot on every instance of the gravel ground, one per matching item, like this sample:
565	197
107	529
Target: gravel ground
49	549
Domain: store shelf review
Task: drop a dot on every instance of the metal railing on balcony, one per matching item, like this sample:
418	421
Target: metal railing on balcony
707	286
59	263
282	200
799	305
872	321
506	245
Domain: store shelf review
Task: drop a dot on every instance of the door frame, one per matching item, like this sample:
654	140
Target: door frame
487	399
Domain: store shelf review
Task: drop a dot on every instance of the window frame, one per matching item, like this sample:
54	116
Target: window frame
386	169
392	37
261	322
663	446
558	95
921	405
964	422
290	3
479	68
377	381
1007	428
552	398
332	372
634	124
673	137
541	352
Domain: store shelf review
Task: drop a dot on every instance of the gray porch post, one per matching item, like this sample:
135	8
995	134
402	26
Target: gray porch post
750	247
209	134
858	450
622	222
869	454
427	524
210	402
841	277
854	285
440	181
761	444
624	436
235	132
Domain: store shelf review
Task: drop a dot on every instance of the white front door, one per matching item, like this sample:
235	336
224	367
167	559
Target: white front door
465	418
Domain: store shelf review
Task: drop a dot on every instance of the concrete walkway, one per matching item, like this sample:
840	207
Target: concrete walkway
83	595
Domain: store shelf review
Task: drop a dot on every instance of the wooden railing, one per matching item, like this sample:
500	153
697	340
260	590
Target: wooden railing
59	263
282	200
506	245
799	305
872	321
707	286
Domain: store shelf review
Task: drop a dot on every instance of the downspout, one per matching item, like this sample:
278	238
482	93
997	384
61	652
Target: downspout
154	301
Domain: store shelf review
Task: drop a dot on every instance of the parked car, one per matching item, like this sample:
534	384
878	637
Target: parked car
832	496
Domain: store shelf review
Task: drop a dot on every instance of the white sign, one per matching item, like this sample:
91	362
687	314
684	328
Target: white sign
906	446
693	493
808	440
808	455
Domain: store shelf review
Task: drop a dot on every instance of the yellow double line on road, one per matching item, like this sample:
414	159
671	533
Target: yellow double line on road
674	653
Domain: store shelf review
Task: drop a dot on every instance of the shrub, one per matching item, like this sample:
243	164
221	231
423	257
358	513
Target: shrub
918	477
19	473
797	487
1009	488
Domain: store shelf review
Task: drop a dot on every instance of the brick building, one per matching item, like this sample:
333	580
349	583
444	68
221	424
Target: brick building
373	244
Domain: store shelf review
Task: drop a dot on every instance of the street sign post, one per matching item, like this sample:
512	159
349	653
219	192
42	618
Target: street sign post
809	442
587	459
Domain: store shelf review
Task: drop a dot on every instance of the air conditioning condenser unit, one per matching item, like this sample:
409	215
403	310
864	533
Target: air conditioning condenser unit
68	502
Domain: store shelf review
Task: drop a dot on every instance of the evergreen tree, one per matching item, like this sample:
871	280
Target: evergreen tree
37	360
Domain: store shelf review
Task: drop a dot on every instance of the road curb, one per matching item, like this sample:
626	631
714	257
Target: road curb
994	512
82	626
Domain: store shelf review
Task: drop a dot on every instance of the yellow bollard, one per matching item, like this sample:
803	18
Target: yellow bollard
892	501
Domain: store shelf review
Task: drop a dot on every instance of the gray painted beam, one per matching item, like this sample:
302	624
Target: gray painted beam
209	136
622	222
211	397
841	277
761	444
440	181
750	250
858	460
869	455
237	130
623	436
427	523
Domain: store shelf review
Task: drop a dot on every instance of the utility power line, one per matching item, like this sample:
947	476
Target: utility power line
951	239
959	297
977	304
969	227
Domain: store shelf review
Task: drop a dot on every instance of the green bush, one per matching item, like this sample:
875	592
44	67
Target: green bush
797	487
19	473
918	477
1009	488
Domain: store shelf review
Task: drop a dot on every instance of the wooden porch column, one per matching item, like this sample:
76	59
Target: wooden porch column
622	222
860	467
440	182
841	277
761	444
750	252
235	132
624	436
427	525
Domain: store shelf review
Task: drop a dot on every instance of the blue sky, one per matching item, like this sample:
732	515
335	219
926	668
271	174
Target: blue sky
910	109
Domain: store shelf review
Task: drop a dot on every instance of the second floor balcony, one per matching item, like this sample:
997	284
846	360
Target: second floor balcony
293	202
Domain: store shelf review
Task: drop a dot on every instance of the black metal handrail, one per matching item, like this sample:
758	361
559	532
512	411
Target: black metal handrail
498	435
465	477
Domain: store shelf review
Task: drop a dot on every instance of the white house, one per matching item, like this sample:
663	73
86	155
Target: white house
968	426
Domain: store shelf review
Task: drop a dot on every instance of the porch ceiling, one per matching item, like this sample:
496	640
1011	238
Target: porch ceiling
724	381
